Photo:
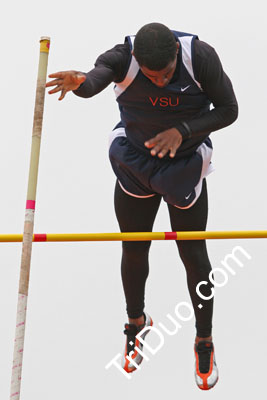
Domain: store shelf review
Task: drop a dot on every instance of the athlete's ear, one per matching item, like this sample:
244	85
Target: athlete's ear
178	45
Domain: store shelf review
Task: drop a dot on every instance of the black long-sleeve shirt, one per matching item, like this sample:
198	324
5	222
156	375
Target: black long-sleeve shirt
112	66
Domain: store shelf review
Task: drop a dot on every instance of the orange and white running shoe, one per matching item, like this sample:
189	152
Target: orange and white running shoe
132	343
206	371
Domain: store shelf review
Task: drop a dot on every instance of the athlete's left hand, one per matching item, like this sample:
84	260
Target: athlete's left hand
164	142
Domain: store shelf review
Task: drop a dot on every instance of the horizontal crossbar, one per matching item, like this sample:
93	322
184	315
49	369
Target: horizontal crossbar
135	236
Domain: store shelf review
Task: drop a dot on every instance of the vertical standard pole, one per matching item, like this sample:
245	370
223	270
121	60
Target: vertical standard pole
29	221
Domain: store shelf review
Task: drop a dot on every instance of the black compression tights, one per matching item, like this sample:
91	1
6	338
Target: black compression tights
138	215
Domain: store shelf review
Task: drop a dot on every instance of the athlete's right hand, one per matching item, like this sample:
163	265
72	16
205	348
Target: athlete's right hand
65	82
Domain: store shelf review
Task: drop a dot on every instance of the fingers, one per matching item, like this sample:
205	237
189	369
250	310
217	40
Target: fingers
63	94
153	142
54	82
69	76
163	143
57	89
59	74
173	151
65	81
150	143
160	150
159	146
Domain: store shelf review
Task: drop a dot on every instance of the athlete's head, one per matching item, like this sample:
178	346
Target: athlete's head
155	50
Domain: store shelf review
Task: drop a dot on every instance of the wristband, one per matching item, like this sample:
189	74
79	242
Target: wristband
184	130
186	133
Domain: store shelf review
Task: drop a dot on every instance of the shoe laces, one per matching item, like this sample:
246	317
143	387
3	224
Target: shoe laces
204	350
131	331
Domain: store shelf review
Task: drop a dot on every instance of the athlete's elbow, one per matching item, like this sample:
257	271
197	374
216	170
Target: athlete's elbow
232	114
235	113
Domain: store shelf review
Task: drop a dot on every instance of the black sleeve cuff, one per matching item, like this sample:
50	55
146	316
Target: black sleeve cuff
185	130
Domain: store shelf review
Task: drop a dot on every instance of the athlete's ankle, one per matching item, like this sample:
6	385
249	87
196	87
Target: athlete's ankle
198	339
137	321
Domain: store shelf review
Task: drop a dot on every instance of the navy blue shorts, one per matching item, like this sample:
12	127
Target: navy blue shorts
179	181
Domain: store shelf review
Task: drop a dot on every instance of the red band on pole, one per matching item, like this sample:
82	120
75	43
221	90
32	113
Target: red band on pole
30	205
170	235
40	237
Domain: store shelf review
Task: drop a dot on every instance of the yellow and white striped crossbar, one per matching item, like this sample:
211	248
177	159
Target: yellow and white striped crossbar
135	236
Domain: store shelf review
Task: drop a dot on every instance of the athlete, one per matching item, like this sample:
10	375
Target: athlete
172	93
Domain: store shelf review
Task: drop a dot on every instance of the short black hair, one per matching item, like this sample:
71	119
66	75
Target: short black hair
155	46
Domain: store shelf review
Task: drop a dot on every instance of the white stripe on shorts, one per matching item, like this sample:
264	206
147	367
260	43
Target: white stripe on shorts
116	133
207	168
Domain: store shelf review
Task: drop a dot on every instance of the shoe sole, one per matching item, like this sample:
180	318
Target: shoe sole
210	386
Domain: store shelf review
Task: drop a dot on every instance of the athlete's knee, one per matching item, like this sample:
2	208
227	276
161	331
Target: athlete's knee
136	248
194	255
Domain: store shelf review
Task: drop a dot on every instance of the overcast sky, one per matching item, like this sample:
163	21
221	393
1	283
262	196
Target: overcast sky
76	308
